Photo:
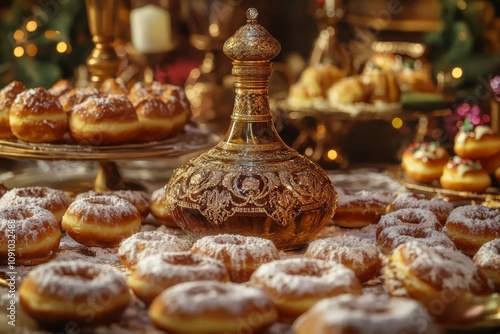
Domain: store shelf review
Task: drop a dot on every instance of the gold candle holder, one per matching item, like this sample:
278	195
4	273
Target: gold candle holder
103	62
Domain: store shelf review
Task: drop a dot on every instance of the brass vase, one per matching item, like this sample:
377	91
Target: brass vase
252	183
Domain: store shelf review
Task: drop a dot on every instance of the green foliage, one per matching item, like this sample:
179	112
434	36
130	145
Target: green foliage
57	21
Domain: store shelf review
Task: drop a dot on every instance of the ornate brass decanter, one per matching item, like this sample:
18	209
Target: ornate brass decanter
252	183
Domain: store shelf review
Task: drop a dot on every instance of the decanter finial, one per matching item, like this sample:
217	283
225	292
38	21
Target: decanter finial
252	14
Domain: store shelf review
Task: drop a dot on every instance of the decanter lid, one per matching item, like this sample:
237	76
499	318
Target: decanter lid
252	42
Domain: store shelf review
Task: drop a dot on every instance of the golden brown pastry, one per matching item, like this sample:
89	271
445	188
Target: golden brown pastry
476	142
7	96
77	96
36	116
487	259
61	87
113	86
424	162
464	175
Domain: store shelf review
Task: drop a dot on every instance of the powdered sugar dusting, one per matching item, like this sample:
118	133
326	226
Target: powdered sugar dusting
476	218
366	198
37	100
488	255
44	197
109	209
443	267
30	222
230	298
393	236
304	277
344	248
420	201
77	279
409	217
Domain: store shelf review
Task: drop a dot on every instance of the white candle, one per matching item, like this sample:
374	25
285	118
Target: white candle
150	29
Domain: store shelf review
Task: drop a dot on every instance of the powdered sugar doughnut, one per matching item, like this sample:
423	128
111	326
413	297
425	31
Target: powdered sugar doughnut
28	234
241	254
487	259
359	254
54	200
360	208
366	313
158	272
86	293
471	226
143	244
296	284
159	209
420	271
393	236
409	217
439	207
102	221
212	307
137	198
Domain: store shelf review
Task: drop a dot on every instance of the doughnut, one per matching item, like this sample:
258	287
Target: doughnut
139	199
357	314
476	142
487	259
54	200
492	166
464	175
409	217
36	116
7	96
241	255
77	96
212	307
61	87
59	292
439	207
296	284
421	271
393	236
358	254
360	208
158	208
143	244
102	221
29	233
471	226
113	86
158	272
424	162
105	120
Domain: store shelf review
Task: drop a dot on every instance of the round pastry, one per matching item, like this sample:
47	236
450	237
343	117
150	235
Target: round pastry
28	235
492	166
295	284
487	259
113	86
143	244
60	292
158	208
471	226
366	314
7	96
107	120
347	90
139	199
360	208
242	255
409	217
36	116
393	236
384	87
439	207
158	272
77	96
358	254
160	118
212	307
464	175
54	200
424	162
421	271
476	142
102	221
61	87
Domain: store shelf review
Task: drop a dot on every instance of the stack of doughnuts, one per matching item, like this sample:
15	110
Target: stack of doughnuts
110	115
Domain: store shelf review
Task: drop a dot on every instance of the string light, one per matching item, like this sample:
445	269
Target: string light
18	51
31	50
18	35
397	122
332	154
61	47
31	26
457	72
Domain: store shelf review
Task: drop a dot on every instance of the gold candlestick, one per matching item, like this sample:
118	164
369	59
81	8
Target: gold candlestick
103	61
